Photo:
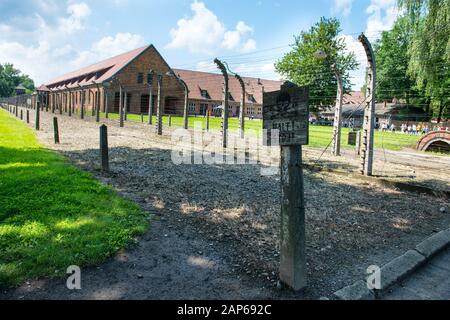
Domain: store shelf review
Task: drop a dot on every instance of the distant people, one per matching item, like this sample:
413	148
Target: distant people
392	127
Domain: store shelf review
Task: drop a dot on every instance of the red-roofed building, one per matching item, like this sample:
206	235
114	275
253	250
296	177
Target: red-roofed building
132	69
206	91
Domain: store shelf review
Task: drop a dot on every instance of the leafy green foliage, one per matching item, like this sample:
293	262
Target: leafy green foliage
10	78
429	50
52	215
303	68
391	53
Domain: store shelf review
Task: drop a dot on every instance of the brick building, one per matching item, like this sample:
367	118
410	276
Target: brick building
206	93
99	84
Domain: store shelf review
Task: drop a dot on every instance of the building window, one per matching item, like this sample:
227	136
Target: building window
149	78
251	98
204	93
191	107
140	78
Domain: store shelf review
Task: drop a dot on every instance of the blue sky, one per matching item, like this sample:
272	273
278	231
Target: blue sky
45	38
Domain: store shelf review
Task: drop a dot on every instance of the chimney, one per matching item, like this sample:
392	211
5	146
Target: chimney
259	81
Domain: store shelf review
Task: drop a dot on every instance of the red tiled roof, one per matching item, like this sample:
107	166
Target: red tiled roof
213	83
43	88
354	97
98	72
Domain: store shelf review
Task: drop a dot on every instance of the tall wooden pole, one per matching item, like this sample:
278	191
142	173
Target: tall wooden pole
222	68
338	113
367	139
293	238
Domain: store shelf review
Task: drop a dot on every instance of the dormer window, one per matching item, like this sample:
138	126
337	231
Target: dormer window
204	93
230	97
251	98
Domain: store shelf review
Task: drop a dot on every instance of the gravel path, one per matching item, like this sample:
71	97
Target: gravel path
215	227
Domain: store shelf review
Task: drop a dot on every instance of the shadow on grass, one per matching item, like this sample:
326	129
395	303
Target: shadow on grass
52	216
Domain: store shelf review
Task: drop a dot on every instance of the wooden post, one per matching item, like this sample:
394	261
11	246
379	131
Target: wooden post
28	116
21	114
36	124
285	117
369	112
159	107
207	118
169	121
222	68
55	130
104	148
293	239
338	113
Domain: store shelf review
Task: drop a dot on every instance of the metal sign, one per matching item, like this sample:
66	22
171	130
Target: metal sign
287	111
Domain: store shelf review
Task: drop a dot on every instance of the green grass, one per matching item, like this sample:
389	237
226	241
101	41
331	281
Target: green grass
319	136
53	215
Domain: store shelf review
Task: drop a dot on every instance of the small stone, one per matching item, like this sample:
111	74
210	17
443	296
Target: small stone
443	210
279	285
140	276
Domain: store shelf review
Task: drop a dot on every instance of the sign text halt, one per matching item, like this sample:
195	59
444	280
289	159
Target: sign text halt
287	111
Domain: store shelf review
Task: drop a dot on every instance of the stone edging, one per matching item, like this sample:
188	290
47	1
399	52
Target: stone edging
398	269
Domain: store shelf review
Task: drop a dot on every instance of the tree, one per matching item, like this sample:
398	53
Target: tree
429	50
391	54
301	67
10	78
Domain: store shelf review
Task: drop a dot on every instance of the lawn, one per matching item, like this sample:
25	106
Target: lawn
53	215
319	136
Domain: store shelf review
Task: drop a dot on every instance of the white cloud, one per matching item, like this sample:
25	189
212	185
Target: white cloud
343	7
44	50
78	12
204	32
358	76
382	15
108	47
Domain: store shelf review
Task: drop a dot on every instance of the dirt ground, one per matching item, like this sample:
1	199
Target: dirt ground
214	230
